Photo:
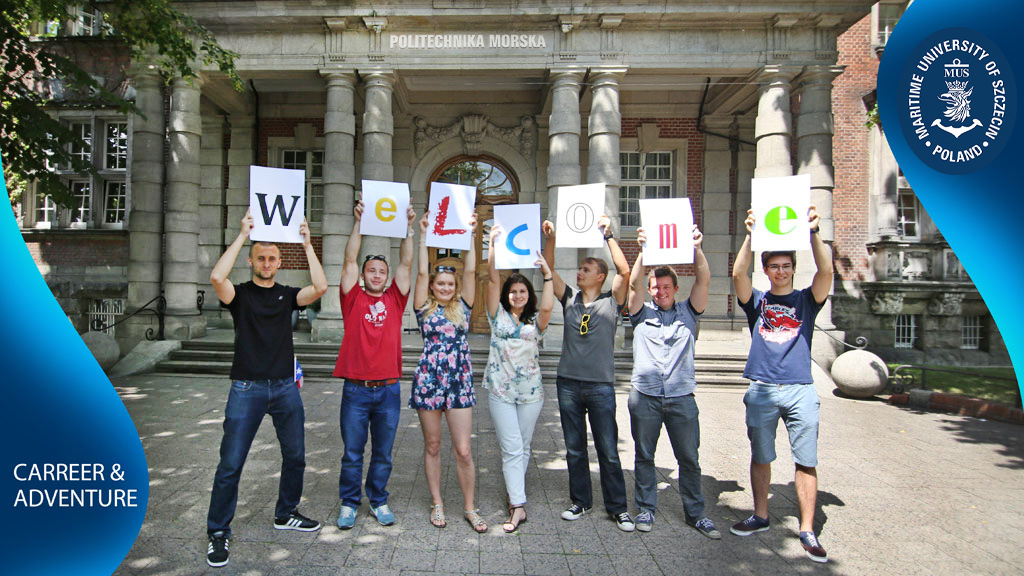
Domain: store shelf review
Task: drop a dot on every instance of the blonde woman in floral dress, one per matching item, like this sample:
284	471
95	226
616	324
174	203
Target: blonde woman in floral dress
513	375
443	381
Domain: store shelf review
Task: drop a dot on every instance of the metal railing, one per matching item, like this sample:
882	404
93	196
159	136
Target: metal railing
861	341
158	310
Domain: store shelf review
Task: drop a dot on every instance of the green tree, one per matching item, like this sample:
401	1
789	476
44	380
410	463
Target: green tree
31	139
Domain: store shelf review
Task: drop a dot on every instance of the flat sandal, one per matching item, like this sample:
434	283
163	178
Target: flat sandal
476	521
437	516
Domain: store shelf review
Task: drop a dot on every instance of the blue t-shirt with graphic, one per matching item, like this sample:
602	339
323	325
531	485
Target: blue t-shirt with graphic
780	336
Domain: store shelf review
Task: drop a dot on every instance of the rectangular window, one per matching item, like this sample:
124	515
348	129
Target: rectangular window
81	148
888	15
115	201
82	194
644	175
906	331
116	150
313	164
83	22
908	210
970	333
46	212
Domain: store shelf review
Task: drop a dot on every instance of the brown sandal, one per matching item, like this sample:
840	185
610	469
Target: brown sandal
510	526
437	516
476	520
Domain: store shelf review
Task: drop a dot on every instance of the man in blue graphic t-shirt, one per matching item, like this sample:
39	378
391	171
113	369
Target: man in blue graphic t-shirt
779	368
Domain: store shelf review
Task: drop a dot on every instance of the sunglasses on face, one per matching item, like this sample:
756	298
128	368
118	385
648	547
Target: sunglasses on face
584	325
443	269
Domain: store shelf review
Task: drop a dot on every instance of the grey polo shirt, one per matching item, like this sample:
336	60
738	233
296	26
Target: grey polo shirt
663	348
589	357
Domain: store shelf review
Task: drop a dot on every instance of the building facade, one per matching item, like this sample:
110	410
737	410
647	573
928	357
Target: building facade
677	99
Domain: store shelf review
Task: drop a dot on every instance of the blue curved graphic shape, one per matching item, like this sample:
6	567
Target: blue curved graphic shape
61	409
510	242
978	213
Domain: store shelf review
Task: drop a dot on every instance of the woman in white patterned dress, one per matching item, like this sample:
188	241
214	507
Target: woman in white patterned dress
512	376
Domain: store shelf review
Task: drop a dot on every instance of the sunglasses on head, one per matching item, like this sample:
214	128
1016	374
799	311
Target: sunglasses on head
443	269
375	257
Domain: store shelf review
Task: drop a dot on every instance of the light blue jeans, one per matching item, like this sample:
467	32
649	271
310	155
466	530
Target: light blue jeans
514	424
680	417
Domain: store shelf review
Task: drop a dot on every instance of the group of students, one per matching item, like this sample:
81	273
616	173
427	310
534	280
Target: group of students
662	385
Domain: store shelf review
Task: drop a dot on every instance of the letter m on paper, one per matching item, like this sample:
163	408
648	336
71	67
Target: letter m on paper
277	208
667	236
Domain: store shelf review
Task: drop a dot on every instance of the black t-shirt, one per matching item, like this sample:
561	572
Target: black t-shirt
263	331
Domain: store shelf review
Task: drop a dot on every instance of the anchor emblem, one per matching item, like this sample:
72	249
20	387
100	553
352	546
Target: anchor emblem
958	104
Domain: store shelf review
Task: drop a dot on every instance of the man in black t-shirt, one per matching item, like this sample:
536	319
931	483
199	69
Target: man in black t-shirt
262	382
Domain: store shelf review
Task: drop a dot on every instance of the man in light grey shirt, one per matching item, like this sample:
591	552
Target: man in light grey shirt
663	383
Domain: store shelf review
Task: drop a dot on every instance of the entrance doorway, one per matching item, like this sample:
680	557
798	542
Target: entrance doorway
495	184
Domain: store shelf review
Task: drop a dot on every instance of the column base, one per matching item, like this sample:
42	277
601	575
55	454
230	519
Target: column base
184	327
327	330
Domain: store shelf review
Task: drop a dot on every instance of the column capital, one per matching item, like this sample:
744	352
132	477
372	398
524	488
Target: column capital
193	83
567	75
776	74
607	75
378	77
339	77
819	74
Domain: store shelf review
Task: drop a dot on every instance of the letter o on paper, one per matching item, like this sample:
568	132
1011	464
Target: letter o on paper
579	217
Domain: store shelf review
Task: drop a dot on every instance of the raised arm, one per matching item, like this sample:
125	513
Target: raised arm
822	282
419	297
702	282
469	266
493	278
222	269
547	294
741	267
549	254
620	284
637	276
350	268
318	287
403	274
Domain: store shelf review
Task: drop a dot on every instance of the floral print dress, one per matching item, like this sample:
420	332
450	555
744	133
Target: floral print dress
513	366
444	376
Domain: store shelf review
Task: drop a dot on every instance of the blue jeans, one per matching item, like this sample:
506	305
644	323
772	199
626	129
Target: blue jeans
248	402
679	415
577	399
373	411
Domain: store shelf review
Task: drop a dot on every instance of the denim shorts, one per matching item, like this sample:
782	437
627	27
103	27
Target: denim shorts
797	405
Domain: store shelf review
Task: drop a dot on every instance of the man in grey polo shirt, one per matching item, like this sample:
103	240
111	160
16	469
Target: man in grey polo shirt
586	376
664	381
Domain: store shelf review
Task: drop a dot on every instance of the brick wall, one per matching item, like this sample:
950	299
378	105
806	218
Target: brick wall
293	256
77	248
851	201
282	128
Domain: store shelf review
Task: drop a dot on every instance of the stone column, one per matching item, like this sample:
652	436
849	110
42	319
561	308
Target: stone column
181	216
773	131
718	196
145	221
604	130
814	130
564	128
378	132
339	186
211	207
240	157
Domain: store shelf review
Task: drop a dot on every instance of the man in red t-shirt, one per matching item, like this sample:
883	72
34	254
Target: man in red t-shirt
370	361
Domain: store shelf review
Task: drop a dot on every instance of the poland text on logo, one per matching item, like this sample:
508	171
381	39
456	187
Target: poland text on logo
959	101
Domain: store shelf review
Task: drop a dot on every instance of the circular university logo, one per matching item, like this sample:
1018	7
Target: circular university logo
958	101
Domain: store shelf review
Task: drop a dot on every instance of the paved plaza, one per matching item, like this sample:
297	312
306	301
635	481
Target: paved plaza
901	492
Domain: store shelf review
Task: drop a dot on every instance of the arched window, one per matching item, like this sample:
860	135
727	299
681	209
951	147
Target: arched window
494	181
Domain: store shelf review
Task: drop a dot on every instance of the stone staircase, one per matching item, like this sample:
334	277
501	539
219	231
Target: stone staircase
317	359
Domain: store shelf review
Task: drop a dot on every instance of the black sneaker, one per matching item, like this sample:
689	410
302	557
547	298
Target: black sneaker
753	524
624	522
574	512
217	549
296	521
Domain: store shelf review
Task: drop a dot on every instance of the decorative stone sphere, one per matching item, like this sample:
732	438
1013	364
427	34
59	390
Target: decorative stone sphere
103	347
859	373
